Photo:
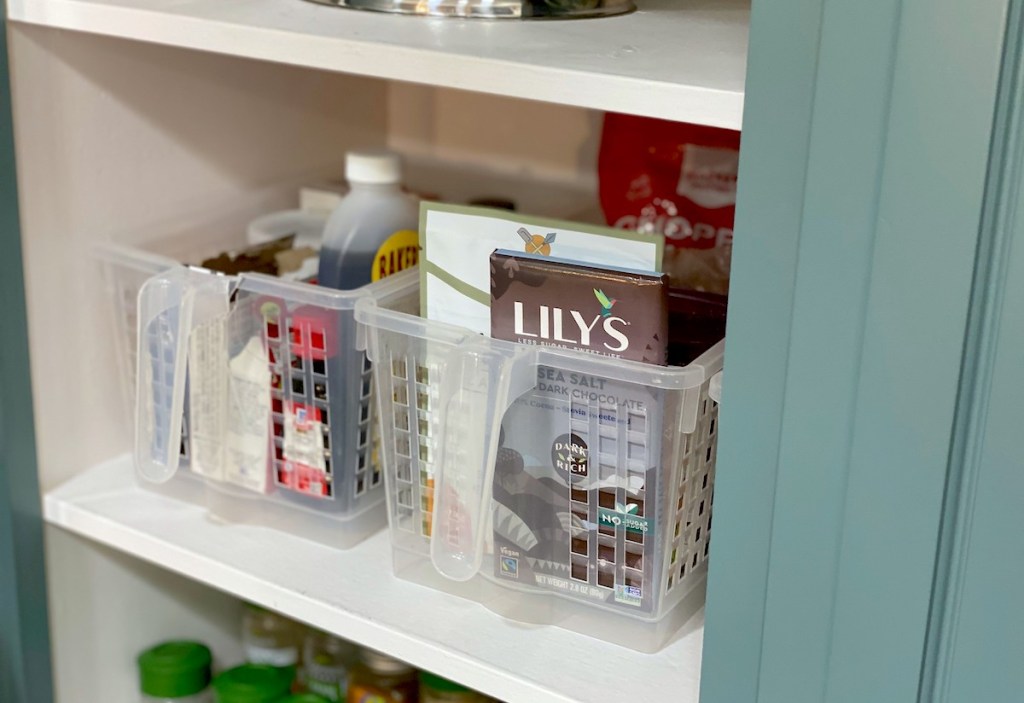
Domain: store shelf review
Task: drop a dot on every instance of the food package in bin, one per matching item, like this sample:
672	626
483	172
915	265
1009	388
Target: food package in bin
679	180
572	480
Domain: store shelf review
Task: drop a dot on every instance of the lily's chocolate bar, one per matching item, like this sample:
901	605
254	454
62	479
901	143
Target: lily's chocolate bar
578	490
537	299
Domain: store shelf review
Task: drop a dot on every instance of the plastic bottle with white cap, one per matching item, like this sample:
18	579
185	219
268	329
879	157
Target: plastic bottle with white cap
373	231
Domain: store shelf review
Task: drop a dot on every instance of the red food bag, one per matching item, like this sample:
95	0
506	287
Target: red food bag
675	179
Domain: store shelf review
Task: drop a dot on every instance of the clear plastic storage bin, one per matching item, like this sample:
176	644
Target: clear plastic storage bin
553	486
252	396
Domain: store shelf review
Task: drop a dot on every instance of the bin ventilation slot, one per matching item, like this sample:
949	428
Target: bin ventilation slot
692	530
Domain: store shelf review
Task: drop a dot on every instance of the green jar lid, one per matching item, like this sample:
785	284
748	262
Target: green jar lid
439	684
252	683
305	698
174	669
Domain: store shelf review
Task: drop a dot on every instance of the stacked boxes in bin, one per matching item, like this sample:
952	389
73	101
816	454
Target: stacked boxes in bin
558	486
261	381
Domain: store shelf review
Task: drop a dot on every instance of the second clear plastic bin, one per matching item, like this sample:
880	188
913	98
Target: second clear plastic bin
252	396
553	486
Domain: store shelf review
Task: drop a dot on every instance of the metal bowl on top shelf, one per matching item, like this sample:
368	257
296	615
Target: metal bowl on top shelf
492	9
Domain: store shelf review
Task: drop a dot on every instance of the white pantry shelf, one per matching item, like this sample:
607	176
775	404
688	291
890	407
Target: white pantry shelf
354	594
676	59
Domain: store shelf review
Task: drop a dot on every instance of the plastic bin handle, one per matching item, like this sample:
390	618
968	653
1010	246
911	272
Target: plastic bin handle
171	304
479	384
715	387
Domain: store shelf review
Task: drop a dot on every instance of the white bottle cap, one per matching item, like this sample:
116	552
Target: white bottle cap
379	167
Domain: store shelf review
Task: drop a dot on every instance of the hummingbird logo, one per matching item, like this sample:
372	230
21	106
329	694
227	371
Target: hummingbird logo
535	243
606	302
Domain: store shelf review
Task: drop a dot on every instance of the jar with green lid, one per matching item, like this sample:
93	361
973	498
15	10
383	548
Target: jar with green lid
378	678
252	683
272	639
326	661
175	672
434	689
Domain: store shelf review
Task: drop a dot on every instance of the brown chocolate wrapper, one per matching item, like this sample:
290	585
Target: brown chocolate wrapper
696	322
551	302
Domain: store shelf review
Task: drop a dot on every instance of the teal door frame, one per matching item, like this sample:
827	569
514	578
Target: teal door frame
976	631
864	187
25	673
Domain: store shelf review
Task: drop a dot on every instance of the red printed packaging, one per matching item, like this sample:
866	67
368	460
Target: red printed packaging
678	180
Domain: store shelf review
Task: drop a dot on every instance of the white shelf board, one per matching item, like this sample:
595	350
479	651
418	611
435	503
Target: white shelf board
354	594
677	59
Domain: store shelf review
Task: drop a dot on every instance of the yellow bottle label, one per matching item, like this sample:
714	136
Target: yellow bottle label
398	252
